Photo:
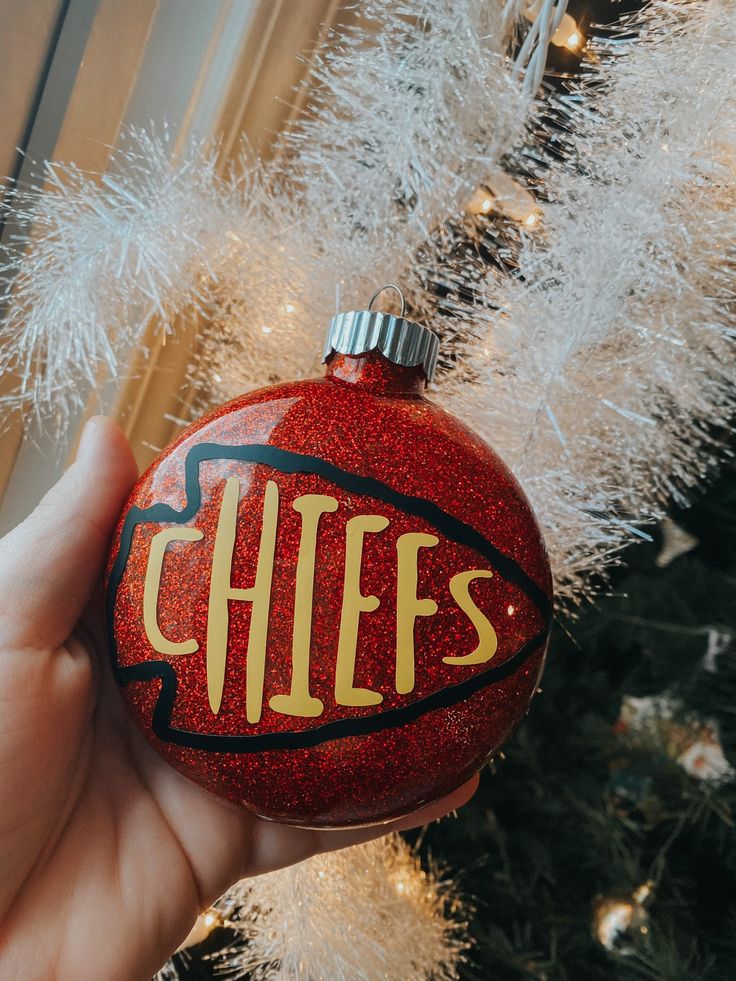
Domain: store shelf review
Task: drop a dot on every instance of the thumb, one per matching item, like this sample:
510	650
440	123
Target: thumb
50	563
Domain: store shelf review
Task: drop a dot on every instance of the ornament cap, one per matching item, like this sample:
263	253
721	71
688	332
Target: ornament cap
399	340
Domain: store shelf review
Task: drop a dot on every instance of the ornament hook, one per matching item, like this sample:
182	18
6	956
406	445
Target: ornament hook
389	286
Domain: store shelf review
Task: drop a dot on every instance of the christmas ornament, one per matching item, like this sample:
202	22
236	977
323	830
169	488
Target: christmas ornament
621	923
660	722
329	600
704	759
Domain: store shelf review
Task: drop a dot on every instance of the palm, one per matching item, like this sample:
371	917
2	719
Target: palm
107	854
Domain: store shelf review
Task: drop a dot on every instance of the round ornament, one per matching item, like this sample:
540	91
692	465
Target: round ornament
329	600
621	923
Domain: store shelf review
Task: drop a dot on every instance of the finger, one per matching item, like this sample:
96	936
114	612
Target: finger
273	846
51	561
446	805
330	840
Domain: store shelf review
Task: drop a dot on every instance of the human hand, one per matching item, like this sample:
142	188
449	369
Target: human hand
107	854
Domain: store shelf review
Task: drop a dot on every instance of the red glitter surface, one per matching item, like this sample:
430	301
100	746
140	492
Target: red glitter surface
369	418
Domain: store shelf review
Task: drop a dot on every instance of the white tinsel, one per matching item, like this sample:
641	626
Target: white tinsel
405	123
108	254
601	371
368	912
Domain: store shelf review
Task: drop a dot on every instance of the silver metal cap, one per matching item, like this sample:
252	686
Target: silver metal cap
399	340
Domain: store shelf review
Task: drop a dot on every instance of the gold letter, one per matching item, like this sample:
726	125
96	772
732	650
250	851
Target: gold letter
353	604
487	639
152	585
299	701
221	590
408	605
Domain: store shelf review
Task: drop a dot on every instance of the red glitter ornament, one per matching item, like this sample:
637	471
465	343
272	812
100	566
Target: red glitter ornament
329	600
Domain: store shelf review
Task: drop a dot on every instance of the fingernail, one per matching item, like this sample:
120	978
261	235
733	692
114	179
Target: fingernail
88	439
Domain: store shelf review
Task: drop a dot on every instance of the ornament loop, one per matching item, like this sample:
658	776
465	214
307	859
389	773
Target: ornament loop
399	340
389	286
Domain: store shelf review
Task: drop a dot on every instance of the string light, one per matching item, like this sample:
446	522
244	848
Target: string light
619	922
481	202
203	927
504	195
567	34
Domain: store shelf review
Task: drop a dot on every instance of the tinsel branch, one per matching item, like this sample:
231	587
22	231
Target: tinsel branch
297	920
603	371
410	110
108	254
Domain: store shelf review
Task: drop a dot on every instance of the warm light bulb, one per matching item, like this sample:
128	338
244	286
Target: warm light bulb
568	34
204	925
481	202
